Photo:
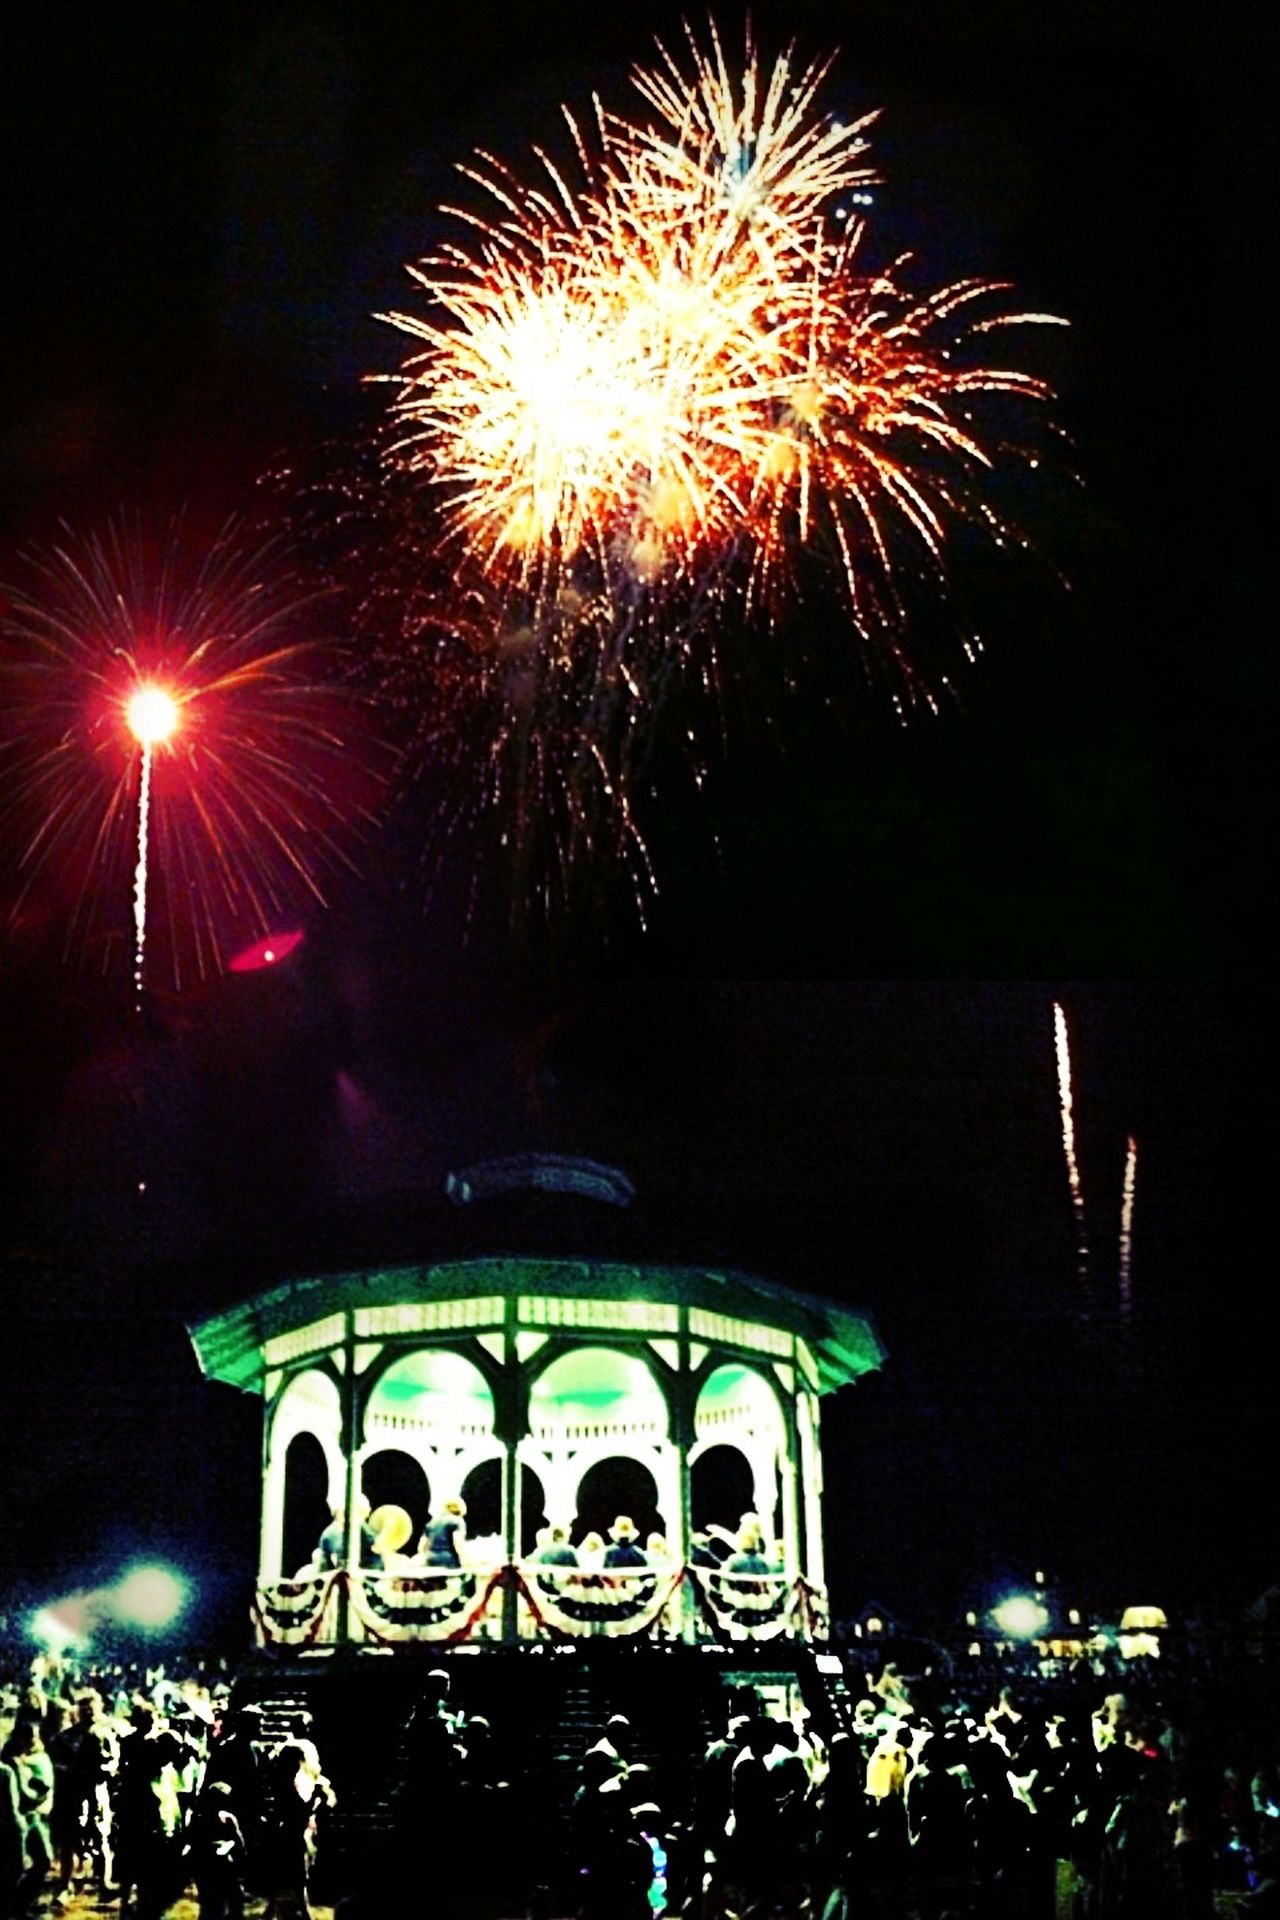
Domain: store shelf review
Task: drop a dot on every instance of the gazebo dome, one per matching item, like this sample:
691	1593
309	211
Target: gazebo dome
511	1380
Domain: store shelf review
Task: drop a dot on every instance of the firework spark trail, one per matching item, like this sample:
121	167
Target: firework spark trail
109	646
140	879
1126	1224
1063	1051
152	716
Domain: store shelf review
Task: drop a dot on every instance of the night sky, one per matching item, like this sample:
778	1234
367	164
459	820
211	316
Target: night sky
829	1053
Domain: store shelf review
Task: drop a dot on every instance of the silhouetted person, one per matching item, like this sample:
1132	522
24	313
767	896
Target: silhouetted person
33	1773
298	1797
217	1854
234	1759
12	1837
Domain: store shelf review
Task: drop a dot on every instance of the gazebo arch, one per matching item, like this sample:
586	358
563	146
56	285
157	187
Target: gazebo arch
392	1476
591	1404
305	1508
437	1406
739	1406
635	1494
310	1403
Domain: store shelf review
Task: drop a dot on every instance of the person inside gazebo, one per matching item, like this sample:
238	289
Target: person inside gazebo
441	1540
625	1551
591	1553
751	1556
331	1548
731	1540
554	1548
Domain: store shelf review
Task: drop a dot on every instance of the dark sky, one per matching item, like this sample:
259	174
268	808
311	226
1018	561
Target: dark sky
831	1048
205	213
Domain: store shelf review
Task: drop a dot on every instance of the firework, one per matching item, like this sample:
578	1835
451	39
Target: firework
637	404
1126	1224
1063	1052
686	360
184	691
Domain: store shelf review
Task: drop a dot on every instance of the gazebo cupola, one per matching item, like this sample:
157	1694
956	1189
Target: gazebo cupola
537	1392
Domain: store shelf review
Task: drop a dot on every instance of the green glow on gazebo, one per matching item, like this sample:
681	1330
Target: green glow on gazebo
536	1372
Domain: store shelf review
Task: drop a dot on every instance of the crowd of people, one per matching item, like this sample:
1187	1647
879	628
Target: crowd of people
135	1787
1091	1792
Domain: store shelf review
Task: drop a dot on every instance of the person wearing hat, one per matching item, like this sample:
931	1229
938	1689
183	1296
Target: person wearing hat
440	1542
625	1550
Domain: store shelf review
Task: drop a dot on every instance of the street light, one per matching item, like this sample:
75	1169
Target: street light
1020	1617
149	1597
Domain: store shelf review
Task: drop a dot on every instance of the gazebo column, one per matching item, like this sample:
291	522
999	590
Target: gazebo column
353	1519
560	1489
667	1477
271	1539
762	1459
791	1542
813	1565
510	1418
792	1488
684	1434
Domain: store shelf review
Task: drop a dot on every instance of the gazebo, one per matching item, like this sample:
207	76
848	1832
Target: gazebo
526	1388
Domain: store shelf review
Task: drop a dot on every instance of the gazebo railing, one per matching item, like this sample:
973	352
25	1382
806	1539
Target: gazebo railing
531	1602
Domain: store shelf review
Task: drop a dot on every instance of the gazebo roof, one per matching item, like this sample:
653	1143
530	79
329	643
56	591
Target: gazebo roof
843	1341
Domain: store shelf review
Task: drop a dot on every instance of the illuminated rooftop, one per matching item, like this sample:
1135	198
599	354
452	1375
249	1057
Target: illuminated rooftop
235	1346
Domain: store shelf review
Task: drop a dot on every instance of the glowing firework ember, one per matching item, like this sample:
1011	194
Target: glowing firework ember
1126	1224
641	402
186	691
151	714
1063	1051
